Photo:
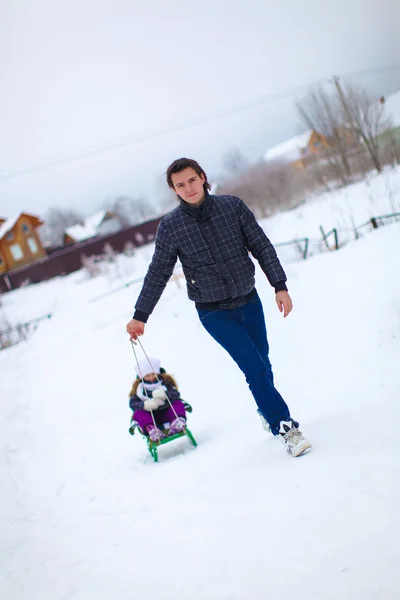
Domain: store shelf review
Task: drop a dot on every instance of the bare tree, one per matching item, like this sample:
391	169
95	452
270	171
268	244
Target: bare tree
130	210
167	201
268	187
235	162
109	254
352	121
391	148
91	266
129	249
56	222
144	209
321	112
365	115
122	208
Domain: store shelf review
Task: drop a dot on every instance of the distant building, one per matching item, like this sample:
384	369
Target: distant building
102	223
298	150
288	151
309	147
68	259
20	243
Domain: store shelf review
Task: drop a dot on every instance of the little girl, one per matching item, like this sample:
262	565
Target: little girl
149	395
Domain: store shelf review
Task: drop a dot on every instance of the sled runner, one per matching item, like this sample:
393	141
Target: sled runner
153	446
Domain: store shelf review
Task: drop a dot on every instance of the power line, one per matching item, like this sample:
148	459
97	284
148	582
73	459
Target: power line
132	140
381	70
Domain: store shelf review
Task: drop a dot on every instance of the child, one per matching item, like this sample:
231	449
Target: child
149	395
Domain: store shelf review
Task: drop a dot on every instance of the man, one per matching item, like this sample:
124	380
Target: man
212	237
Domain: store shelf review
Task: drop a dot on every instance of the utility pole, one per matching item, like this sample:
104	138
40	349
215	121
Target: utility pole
340	135
343	100
354	123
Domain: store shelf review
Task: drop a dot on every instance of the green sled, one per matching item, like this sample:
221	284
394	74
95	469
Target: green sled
153	446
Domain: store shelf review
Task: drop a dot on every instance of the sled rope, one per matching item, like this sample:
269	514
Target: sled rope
141	377
154	371
158	378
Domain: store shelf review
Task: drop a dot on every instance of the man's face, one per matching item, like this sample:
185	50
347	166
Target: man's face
188	185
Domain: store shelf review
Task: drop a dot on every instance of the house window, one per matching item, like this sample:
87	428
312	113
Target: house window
33	247
16	252
25	228
10	236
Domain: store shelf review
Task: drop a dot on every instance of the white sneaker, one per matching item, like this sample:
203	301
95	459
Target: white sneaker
293	439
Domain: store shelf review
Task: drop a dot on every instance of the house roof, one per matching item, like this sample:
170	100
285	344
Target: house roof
9	223
80	232
289	150
88	229
96	220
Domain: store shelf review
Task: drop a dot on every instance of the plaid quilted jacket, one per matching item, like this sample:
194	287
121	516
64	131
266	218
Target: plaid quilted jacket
213	244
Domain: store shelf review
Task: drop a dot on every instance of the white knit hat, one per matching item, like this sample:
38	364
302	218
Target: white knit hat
144	366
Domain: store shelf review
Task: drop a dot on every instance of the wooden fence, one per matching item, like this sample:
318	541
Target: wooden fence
333	240
21	332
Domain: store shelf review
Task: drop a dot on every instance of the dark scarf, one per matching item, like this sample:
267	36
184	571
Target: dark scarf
200	213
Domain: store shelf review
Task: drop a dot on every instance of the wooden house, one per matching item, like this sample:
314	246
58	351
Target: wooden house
316	145
299	150
289	151
309	147
20	243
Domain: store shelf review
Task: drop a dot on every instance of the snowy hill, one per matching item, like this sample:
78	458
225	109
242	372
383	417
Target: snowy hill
344	209
87	515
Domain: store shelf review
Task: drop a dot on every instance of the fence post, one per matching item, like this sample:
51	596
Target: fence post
305	250
374	223
324	237
336	239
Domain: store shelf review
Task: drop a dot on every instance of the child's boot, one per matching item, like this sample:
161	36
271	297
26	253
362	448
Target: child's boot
155	434
177	425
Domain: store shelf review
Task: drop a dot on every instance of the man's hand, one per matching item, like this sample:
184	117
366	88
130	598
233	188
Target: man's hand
135	328
284	302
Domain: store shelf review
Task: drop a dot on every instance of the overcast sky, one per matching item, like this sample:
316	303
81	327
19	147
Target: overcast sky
87	75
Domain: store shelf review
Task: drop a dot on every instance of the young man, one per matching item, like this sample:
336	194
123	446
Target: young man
212	237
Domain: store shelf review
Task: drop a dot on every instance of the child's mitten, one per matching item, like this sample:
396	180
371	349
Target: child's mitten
160	396
151	404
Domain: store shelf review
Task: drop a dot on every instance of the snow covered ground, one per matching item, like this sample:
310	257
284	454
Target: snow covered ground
86	515
343	208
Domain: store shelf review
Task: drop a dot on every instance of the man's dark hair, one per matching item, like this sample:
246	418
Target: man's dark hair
180	164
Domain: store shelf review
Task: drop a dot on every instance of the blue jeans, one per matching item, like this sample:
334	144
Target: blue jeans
243	334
